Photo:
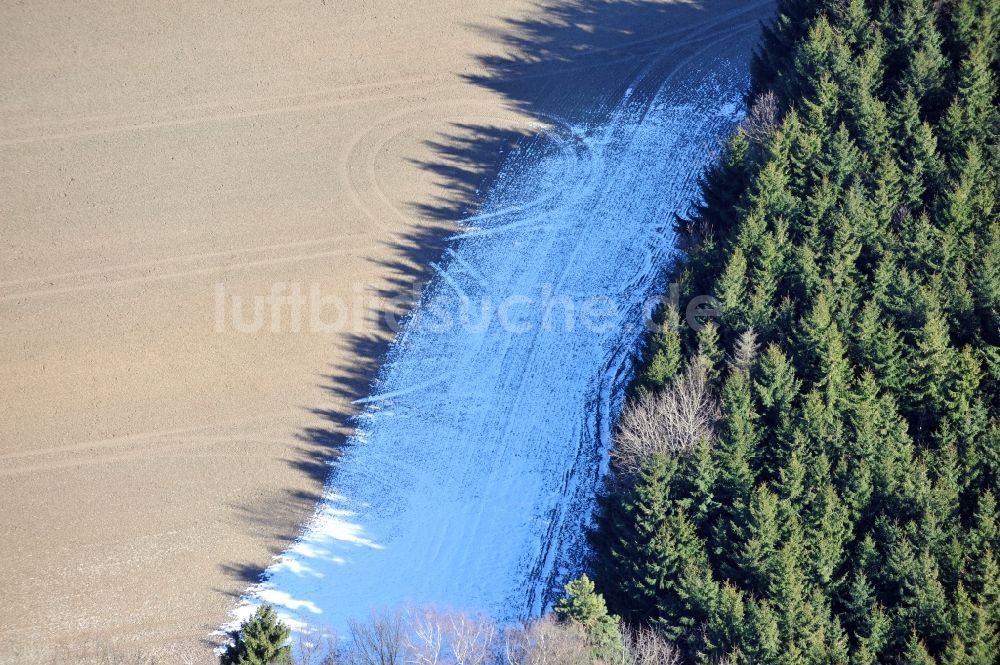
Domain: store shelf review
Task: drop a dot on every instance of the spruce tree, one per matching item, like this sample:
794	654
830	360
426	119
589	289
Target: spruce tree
735	479
263	639
975	108
759	541
583	606
776	389
985	279
916	653
916	147
662	360
878	347
933	361
630	550
731	291
918	58
717	215
709	348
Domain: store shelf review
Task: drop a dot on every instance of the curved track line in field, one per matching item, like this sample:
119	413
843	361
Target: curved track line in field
365	148
360	153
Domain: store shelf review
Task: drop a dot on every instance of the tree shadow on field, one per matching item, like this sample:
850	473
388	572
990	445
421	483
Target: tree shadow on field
562	63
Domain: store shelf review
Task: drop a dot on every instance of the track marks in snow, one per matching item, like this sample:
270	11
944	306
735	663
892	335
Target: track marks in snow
476	464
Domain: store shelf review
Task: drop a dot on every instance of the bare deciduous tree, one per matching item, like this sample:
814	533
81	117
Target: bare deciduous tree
472	639
547	642
744	353
762	120
425	641
434	637
316	645
377	642
646	646
672	421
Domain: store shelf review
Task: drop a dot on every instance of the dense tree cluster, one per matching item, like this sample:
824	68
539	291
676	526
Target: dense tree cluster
843	506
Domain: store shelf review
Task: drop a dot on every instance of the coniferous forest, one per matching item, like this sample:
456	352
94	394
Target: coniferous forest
812	477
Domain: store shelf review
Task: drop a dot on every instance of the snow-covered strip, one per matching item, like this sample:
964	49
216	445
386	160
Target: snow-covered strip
472	475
